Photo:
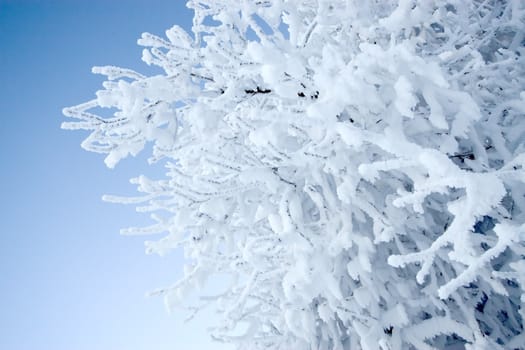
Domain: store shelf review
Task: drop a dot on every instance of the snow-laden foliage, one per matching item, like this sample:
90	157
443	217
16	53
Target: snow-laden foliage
354	169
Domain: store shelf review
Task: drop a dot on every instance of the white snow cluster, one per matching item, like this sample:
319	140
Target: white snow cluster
356	167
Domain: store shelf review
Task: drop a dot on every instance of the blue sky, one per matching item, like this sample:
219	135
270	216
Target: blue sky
68	279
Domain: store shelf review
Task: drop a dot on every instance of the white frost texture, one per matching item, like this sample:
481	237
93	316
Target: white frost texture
353	169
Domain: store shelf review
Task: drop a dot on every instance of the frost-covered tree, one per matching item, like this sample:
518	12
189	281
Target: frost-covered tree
354	169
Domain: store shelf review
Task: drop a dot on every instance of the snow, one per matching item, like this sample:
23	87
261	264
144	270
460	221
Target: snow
356	168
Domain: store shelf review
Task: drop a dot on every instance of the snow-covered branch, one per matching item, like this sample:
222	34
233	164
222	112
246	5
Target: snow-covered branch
356	168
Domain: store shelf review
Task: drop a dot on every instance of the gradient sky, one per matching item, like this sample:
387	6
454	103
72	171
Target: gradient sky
68	280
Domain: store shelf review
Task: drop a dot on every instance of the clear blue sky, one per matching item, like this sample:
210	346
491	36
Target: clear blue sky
68	281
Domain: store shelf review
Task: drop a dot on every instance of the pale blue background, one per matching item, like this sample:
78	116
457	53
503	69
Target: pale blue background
68	281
